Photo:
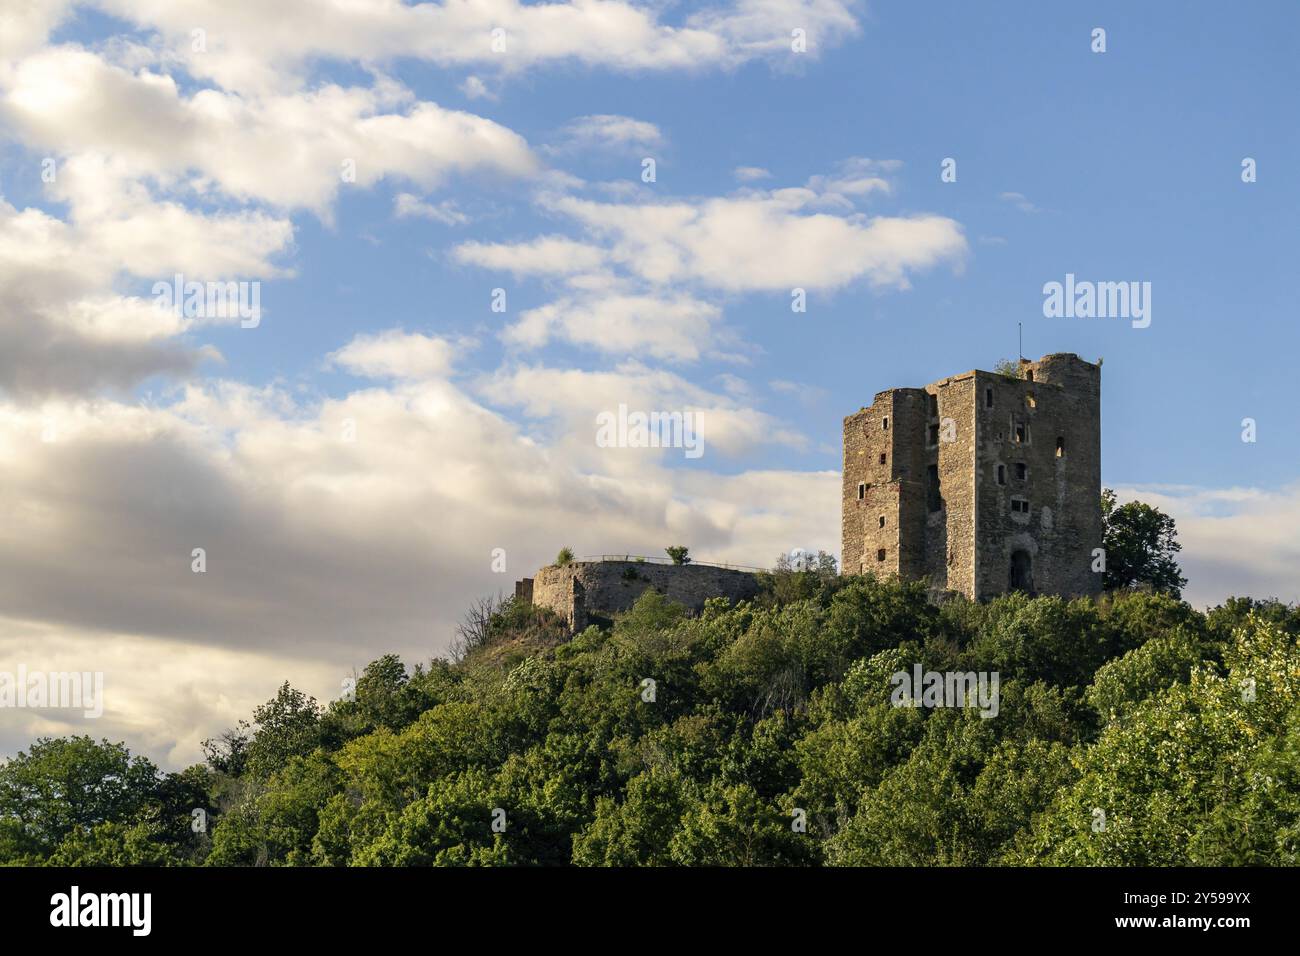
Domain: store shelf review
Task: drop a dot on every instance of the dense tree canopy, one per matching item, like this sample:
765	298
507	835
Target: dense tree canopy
1140	542
1130	730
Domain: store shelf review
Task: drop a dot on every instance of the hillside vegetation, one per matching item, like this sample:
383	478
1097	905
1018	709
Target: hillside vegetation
1131	730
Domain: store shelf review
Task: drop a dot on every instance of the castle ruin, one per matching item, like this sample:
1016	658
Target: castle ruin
592	592
979	483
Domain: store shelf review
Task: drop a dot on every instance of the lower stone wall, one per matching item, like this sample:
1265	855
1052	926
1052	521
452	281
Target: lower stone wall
587	592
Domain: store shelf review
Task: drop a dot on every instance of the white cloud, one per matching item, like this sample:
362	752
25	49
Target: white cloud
571	399
640	272
608	132
25	25
669	327
546	255
764	242
162	697
475	89
67	327
329	550
71	100
749	174
1020	201
396	354
250	45
408	206
1236	541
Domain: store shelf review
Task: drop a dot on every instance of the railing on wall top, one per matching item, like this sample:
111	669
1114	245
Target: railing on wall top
650	559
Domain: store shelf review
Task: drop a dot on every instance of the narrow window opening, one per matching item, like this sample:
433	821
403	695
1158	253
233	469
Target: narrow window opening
988	398
862	490
882	457
1002	474
1060	446
880	555
1022	471
934	435
1022	434
1031	401
882	521
933	402
885	421
933	499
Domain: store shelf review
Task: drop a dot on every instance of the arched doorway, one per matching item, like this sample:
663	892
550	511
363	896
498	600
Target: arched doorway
1022	572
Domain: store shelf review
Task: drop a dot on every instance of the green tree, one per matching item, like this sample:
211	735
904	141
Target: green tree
679	553
62	785
1140	543
287	725
639	830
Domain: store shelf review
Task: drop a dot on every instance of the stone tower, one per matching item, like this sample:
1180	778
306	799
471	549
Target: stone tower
980	483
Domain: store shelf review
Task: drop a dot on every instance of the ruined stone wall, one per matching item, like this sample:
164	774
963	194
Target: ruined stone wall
910	459
1020	433
587	592
948	515
881	464
853	472
950	531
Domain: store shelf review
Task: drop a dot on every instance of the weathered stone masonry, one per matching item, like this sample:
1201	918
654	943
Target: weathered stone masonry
591	592
979	483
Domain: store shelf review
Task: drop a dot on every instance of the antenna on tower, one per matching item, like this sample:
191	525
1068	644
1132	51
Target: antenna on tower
1021	327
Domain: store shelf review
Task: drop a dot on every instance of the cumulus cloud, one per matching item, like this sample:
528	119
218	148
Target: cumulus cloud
766	243
396	354
679	328
250	45
162	697
72	100
66	327
640	272
755	241
25	25
338	529
545	255
571	400
607	132
476	89
408	206
1236	541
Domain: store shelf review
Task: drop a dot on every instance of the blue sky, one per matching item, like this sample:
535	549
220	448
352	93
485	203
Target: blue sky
1128	161
1115	166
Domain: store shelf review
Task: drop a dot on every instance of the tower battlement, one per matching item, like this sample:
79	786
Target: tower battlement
979	483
